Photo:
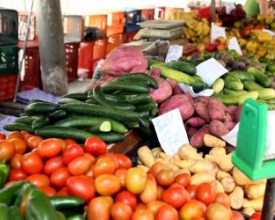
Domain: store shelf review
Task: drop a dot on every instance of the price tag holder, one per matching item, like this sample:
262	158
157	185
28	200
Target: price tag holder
170	131
174	53
217	31
210	70
249	155
234	45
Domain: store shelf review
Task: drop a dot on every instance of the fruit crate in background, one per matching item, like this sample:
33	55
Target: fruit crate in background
113	41
7	86
30	75
159	13
71	55
73	26
147	14
96	20
131	17
115	22
85	57
128	37
23	24
8	26
8	59
100	47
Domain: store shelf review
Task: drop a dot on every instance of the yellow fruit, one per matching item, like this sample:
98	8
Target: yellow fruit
260	17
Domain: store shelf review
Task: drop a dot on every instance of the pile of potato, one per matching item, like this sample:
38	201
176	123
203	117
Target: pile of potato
215	167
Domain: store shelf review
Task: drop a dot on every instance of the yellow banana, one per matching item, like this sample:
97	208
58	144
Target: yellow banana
205	29
198	28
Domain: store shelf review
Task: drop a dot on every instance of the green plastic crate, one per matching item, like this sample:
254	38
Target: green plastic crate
8	59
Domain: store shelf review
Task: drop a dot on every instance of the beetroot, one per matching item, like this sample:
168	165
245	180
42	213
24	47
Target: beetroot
123	60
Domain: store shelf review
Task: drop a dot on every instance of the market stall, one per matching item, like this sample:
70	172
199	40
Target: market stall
159	133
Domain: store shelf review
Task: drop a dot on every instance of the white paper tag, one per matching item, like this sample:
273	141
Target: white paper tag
170	131
229	6
174	53
231	137
272	33
234	45
189	89
217	31
210	70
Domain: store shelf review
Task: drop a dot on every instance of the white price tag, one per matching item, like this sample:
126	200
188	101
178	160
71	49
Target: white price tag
234	45
210	70
170	131
174	53
189	89
216	32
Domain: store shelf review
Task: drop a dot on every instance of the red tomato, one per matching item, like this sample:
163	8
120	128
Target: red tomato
39	180
224	199
79	166
15	161
192	190
121	211
17	174
104	165
99	208
123	161
183	179
191	209
165	177
53	164
121	174
20	145
107	184
205	193
62	192
154	206
7	150
14	134
72	151
32	163
256	216
167	212
90	157
81	187
160	190
59	177
50	147
135	181
127	198
156	167
150	192
143	214
216	211
2	135
175	196
48	190
33	141
95	146
237	215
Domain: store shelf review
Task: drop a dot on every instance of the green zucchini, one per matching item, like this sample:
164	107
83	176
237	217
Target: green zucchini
14	126
142	77
260	76
183	66
110	137
100	110
251	85
81	96
120	86
232	82
62	132
40	108
88	121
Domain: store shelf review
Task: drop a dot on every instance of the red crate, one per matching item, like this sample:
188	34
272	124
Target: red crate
7	86
85	56
71	55
100	47
159	13
31	73
113	41
22	26
115	22
147	14
97	20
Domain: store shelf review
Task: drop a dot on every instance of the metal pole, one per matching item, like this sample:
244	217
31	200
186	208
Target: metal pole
269	200
213	10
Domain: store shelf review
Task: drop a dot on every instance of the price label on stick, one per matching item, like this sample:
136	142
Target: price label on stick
216	32
174	53
170	131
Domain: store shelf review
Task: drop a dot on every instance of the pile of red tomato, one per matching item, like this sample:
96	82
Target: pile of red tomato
111	187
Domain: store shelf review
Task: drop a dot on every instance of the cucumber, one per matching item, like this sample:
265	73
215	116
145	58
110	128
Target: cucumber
81	96
234	92
68	100
146	107
120	86
142	77
110	137
27	119
134	99
99	96
183	66
87	121
266	93
18	127
167	72
104	126
227	99
218	85
232	82
40	108
100	110
260	77
91	100
63	132
57	115
198	85
250	95
242	75
40	122
251	85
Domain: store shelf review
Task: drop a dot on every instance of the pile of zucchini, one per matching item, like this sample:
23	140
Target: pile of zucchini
109	111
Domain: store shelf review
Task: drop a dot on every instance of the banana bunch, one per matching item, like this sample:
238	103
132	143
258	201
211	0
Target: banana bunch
182	15
232	32
195	30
